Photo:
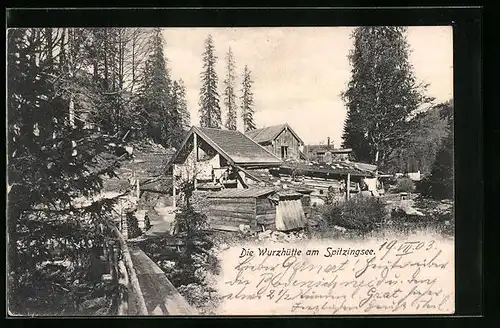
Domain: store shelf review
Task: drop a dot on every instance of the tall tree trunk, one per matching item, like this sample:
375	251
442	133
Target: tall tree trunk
106	72
50	45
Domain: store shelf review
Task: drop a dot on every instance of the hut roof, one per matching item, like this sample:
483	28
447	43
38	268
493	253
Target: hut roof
234	146
270	133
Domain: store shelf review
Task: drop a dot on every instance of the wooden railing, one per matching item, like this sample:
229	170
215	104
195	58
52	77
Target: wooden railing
143	288
130	299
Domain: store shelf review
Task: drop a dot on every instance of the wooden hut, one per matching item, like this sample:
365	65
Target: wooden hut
258	208
230	208
280	140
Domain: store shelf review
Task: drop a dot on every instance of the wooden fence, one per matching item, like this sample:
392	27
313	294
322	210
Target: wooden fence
143	289
130	299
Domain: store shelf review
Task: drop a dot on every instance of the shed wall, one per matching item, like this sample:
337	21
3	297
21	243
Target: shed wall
286	138
266	213
230	213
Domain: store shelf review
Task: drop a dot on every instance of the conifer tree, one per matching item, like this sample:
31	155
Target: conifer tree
229	92
382	93
160	116
442	173
247	101
179	91
53	159
210	113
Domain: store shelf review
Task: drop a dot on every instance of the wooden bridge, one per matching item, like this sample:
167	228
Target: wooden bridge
144	289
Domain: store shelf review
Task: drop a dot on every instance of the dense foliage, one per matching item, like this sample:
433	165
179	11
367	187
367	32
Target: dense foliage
229	92
210	113
73	95
55	157
159	98
362	214
247	101
382	94
405	185
440	183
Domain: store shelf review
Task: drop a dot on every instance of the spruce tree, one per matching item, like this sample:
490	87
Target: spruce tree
442	172
229	92
156	97
382	93
179	91
247	100
53	159
210	113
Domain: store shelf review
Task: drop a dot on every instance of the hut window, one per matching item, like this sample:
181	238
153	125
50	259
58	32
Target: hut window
321	192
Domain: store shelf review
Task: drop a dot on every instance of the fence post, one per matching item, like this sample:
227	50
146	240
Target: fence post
123	283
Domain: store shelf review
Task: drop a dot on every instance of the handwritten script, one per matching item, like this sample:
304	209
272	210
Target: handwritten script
413	276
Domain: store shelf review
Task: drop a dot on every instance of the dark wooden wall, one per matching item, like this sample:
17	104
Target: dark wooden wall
229	213
266	213
286	138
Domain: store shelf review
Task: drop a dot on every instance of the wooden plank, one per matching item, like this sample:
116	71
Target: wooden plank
161	296
234	204
249	200
229	214
264	205
236	209
348	184
267	211
232	221
224	227
266	218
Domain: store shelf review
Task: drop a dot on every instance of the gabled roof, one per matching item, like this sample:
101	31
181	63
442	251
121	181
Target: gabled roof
234	146
270	133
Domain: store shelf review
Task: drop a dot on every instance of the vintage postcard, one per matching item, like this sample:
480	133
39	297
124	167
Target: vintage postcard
230	171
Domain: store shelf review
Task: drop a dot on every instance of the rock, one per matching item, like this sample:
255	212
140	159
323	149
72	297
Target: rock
129	149
244	228
412	211
341	229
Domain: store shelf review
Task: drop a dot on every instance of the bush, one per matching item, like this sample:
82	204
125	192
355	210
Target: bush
442	177
362	214
423	187
133	226
405	185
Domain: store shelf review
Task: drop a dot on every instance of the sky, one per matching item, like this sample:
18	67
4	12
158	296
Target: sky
299	73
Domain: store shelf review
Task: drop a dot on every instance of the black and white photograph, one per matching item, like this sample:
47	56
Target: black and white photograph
195	171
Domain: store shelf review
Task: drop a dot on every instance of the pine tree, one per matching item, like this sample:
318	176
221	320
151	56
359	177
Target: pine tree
382	93
210	113
442	172
52	161
229	92
247	101
155	96
179	104
180	96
